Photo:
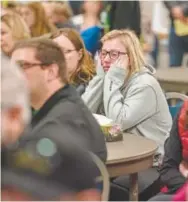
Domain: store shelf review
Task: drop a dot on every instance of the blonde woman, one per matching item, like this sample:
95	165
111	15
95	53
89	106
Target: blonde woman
34	15
13	29
126	91
58	13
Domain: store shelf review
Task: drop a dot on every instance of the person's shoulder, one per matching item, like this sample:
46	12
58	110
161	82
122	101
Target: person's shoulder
49	125
143	81
51	128
66	107
146	77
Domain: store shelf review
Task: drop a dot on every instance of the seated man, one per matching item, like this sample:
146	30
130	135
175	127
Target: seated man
46	167
174	166
55	103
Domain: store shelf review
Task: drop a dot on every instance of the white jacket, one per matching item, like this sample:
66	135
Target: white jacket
139	105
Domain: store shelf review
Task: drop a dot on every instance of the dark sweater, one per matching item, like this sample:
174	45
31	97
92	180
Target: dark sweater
65	111
125	14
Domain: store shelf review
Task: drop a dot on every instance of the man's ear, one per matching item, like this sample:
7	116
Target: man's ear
53	72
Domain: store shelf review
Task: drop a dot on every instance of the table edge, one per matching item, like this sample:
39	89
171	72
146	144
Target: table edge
151	153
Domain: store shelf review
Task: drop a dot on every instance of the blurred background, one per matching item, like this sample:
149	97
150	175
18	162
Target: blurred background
151	20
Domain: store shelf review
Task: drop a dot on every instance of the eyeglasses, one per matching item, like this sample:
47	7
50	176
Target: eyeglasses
26	65
113	54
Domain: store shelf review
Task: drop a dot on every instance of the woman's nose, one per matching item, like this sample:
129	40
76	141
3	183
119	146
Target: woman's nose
107	58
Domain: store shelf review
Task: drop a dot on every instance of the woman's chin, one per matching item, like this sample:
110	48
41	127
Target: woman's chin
106	68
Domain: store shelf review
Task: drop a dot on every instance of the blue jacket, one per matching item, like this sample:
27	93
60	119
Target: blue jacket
91	38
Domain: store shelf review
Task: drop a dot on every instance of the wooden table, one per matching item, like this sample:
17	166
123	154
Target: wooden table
173	79
130	156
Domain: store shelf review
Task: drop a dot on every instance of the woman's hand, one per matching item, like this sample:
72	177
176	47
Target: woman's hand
99	68
120	69
121	62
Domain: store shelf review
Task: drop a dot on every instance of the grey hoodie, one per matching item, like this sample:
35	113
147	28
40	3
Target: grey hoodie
138	104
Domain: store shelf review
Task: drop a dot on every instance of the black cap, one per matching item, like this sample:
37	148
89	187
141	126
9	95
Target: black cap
48	167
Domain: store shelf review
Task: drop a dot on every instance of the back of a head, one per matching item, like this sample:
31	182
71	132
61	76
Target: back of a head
14	90
62	9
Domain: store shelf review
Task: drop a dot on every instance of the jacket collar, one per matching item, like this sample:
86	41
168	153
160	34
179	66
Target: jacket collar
62	93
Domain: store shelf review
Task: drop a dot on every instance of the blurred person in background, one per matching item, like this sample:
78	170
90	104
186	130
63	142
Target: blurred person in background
75	6
160	28
80	64
55	103
89	24
125	15
8	7
178	43
33	170
13	29
58	13
34	15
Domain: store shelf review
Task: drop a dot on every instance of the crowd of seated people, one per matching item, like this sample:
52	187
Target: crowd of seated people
64	77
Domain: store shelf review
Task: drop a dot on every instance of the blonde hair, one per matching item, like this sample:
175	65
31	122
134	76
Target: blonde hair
132	46
17	25
86	66
41	26
62	9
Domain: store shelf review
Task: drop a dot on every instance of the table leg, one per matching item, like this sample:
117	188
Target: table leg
133	192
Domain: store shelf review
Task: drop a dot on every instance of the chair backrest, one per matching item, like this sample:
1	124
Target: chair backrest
176	102
177	96
104	178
